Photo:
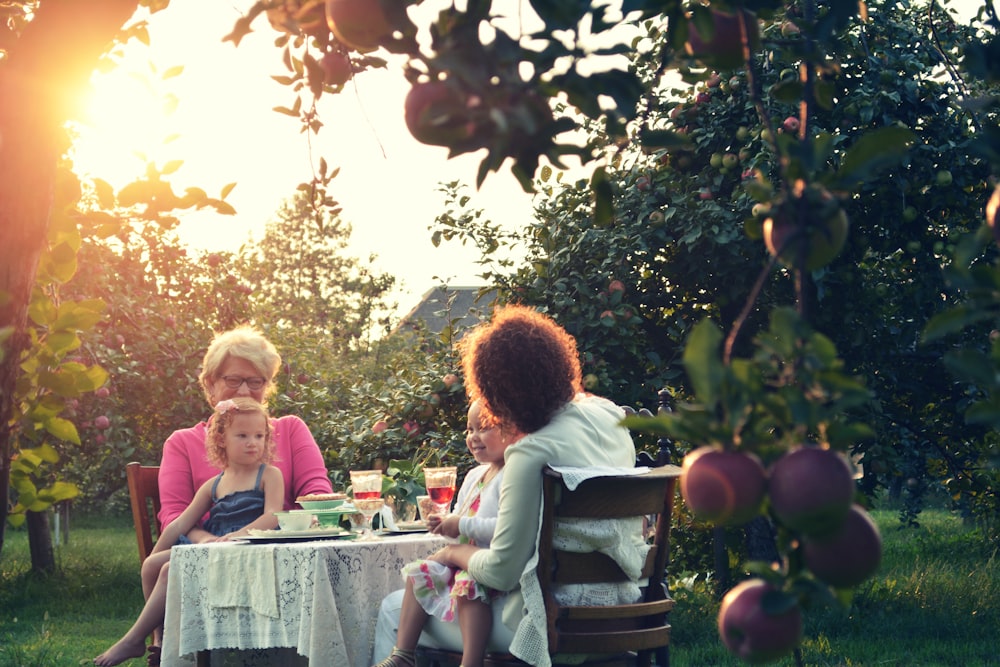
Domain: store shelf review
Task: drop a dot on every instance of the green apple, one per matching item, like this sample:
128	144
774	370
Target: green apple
944	177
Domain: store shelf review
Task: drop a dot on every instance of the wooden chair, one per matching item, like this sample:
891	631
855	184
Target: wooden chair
144	493
613	635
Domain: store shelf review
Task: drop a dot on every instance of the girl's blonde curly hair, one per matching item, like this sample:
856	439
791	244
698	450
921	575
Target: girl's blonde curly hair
222	419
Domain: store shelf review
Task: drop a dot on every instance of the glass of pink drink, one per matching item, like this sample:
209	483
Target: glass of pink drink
440	483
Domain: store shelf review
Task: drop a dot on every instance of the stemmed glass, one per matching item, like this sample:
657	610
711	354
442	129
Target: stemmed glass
366	487
440	483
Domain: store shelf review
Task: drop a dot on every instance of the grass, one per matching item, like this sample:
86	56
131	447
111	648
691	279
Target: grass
934	602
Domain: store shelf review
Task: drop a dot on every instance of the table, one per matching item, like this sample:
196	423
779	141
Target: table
318	599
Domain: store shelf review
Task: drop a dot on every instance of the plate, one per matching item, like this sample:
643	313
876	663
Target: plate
297	535
405	528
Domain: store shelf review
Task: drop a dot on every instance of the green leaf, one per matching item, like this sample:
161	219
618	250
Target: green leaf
604	207
875	150
63	429
703	363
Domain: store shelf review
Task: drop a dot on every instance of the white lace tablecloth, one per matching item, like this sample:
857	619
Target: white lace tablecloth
320	599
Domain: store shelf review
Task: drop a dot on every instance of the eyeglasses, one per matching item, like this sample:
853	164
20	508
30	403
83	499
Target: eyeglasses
253	384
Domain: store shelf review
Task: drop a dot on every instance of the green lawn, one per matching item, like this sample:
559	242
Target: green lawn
935	601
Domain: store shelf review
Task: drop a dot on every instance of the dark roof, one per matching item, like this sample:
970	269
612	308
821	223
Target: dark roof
443	303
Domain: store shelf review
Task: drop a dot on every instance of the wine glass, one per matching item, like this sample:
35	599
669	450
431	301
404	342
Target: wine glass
366	487
440	483
368	507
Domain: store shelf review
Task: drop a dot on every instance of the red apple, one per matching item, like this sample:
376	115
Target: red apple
359	24
102	422
436	114
643	183
302	378
449	379
213	259
759	623
705	193
849	556
379	426
616	286
812	490
723	48
814	218
336	68
723	487
102	392
412	428
790	124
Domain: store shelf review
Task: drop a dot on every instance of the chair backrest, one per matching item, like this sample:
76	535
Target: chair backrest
144	494
641	628
613	635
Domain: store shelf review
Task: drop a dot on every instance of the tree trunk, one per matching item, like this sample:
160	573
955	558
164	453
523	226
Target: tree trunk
46	70
43	556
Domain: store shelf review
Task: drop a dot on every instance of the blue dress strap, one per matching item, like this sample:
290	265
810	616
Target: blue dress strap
260	474
215	487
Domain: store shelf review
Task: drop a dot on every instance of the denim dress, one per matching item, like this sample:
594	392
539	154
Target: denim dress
236	510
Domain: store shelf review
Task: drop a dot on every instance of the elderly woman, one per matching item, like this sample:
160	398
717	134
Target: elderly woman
240	362
526	371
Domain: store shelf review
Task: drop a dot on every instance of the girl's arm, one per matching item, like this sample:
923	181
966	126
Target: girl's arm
188	518
273	483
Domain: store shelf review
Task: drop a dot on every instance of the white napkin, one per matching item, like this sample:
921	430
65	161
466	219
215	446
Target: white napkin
243	576
573	476
388	521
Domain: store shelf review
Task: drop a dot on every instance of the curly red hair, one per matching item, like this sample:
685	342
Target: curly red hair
219	422
522	366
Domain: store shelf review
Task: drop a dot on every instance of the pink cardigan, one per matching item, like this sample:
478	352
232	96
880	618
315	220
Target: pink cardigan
184	467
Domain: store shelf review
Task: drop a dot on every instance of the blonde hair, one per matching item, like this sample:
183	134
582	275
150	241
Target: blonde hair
222	419
243	342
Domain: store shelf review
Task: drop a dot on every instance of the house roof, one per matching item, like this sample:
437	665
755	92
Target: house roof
439	305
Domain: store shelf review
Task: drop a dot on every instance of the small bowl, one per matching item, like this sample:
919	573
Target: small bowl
330	518
326	504
294	520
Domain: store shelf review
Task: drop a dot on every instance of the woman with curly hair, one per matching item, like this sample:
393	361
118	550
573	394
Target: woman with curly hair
525	371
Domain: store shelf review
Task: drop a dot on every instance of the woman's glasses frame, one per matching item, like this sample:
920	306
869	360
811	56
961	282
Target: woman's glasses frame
235	381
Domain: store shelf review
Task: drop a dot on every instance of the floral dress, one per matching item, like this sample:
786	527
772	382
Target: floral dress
437	586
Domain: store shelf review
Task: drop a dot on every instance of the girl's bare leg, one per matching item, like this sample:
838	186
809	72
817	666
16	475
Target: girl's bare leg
412	619
133	643
475	619
150	574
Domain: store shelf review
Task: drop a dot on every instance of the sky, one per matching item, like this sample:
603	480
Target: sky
226	131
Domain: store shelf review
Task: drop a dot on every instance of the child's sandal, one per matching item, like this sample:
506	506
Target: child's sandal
408	656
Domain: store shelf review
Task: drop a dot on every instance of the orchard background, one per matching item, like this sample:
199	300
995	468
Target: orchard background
789	227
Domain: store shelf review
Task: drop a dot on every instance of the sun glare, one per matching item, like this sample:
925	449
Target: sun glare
127	121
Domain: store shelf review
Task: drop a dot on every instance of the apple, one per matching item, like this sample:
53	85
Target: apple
824	238
735	83
790	124
730	160
213	259
910	214
336	68
616	286
379	426
702	98
943	177
298	16
849	556
449	379
302	378
100	439
705	193
789	29
991	213
590	382
759	623
643	183
811	490
723	487
358	24
102	392
723	47
102	422
436	114
607	315
656	217
412	428
742	132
